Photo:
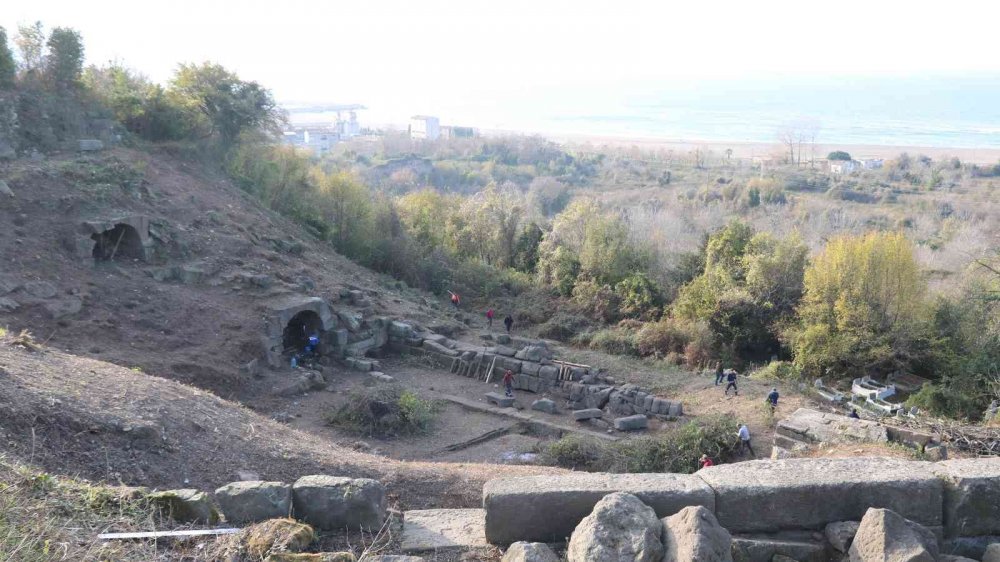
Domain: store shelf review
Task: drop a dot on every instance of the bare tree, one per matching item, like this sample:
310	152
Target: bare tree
795	135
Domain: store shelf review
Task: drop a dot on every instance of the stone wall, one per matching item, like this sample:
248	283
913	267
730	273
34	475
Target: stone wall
764	500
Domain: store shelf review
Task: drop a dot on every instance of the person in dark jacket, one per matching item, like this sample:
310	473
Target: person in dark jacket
508	322
854	414
731	380
719	374
772	399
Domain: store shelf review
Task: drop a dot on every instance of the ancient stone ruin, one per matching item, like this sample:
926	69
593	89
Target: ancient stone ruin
121	239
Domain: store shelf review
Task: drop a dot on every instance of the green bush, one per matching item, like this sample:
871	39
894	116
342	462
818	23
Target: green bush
387	411
691	339
941	401
676	451
563	326
778	370
617	341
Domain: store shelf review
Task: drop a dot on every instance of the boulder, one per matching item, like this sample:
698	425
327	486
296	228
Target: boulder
282	534
529	552
186	506
676	409
548	372
841	533
330	502
884	536
694	533
499	399
544	405
90	145
311	557
8	304
953	558
40	289
535	353
63	307
971	496
621	528
992	553
631	423
5	189
548	508
764	548
589	413
770	495
243	502
505	351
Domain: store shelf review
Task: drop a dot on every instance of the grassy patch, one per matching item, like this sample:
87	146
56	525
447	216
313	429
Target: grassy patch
385	411
676	451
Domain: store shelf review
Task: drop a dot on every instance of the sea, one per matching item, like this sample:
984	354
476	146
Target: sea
933	111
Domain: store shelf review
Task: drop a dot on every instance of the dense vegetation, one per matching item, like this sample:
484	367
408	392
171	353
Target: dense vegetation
690	258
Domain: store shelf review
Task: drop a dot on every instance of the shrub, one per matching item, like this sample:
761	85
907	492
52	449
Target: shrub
692	339
639	296
598	301
617	341
384	412
676	451
778	370
563	326
942	401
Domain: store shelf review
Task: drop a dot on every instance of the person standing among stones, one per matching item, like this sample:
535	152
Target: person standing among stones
731	380
744	435
489	318
719	373
508	383
454	299
508	321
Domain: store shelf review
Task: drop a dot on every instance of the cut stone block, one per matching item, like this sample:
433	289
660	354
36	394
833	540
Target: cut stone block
544	405
971	496
243	502
770	495
499	399
442	530
548	508
632	423
589	413
331	502
765	548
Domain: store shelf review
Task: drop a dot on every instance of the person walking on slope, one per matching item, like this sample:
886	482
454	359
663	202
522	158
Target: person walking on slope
772	399
508	322
719	373
731	380
744	435
454	299
489	318
508	383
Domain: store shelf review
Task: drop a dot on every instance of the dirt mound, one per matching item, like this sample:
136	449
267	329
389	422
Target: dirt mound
103	422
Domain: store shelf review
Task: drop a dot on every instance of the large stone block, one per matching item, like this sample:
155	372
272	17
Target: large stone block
330	502
443	530
589	413
971	496
769	495
631	423
548	372
186	506
767	548
548	508
243	502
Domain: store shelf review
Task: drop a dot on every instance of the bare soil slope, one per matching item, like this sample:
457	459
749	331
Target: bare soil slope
100	421
236	255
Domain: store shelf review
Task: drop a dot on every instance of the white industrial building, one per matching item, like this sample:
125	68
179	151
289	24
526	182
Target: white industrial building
425	127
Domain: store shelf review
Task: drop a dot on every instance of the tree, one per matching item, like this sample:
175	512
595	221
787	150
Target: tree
863	307
838	155
345	206
8	68
30	42
64	63
220	104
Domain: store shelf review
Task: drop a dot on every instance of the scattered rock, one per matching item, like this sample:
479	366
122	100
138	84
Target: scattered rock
186	506
884	535
381	377
953	558
63	308
529	552
5	189
589	413
992	553
694	533
243	502
392	558
330	502
40	289
282	534
8	285
311	557
311	380
90	145
534	353
8	305
621	528
252	368
544	405
841	533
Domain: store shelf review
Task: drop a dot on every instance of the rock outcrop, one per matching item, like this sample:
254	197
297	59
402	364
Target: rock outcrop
886	536
621	528
529	552
694	533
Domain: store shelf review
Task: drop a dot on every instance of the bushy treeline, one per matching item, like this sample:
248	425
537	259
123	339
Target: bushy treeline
48	100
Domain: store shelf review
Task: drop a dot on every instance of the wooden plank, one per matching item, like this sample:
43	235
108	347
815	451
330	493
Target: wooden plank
163	534
489	374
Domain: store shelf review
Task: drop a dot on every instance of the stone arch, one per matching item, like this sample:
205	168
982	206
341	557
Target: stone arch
293	317
119	243
296	334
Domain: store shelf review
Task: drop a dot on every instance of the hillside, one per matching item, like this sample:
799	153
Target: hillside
218	254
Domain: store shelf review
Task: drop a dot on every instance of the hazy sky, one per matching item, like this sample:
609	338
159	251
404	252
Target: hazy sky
404	56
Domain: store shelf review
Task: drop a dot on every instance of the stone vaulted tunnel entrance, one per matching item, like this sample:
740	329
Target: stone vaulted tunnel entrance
121	243
296	333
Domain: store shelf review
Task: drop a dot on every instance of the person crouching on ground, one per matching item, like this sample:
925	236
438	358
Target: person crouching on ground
508	383
705	461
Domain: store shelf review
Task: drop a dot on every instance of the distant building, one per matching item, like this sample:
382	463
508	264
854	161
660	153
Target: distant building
425	127
871	163
844	166
452	132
